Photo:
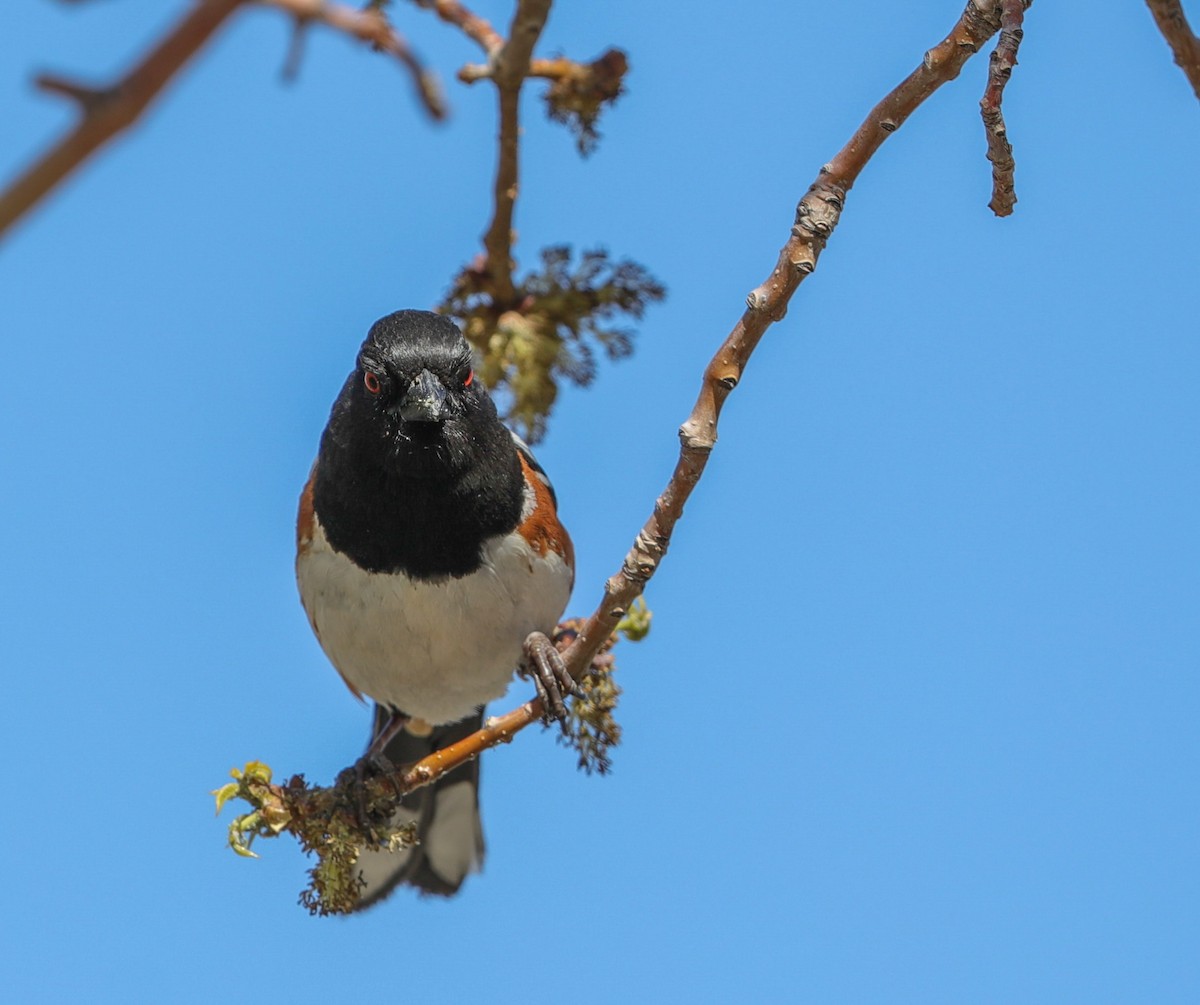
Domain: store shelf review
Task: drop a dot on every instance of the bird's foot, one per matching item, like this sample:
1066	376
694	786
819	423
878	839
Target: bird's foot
366	768
544	665
372	764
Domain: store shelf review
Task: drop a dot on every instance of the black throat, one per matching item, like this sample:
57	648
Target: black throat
388	516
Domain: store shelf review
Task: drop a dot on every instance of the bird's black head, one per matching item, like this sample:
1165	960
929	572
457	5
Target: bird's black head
413	399
415	469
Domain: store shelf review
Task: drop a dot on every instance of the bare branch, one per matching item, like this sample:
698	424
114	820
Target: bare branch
1171	21
1000	67
472	25
558	69
373	27
816	217
108	111
290	806
510	68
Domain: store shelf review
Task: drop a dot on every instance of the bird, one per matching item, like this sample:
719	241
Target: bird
432	564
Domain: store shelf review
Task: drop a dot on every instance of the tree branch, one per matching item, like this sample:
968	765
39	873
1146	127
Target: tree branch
323	811
816	217
1171	21
373	27
559	68
472	25
510	68
1000	67
108	111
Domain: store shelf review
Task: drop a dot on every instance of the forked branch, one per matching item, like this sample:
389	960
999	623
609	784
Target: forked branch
294	805
108	111
372	27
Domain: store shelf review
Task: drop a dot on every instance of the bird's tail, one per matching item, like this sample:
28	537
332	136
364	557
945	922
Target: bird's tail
449	830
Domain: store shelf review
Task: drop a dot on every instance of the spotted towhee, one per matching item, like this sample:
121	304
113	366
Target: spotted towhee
432	564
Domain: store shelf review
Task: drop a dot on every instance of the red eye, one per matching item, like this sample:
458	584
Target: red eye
470	378
371	382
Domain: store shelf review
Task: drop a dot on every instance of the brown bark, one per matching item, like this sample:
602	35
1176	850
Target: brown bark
510	67
1004	58
816	217
1171	21
108	111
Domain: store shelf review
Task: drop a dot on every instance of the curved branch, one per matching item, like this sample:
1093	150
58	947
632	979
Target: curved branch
370	26
1171	21
473	26
108	111
816	217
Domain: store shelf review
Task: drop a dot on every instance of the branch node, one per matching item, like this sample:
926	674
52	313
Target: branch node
758	299
643	557
804	262
694	441
817	214
88	98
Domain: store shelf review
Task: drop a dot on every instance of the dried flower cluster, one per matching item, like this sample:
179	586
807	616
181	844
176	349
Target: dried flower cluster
565	314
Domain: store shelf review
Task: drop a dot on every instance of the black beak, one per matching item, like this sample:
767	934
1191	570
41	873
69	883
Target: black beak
425	399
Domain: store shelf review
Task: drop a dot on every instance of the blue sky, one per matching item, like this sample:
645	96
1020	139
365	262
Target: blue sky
917	719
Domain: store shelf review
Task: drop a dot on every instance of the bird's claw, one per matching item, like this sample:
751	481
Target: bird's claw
544	665
365	768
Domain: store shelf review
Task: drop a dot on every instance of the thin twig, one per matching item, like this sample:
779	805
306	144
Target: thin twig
84	95
372	27
510	68
472	25
816	217
108	111
1171	21
295	53
1000	67
559	68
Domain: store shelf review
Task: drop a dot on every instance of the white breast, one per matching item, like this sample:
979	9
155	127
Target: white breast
432	650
